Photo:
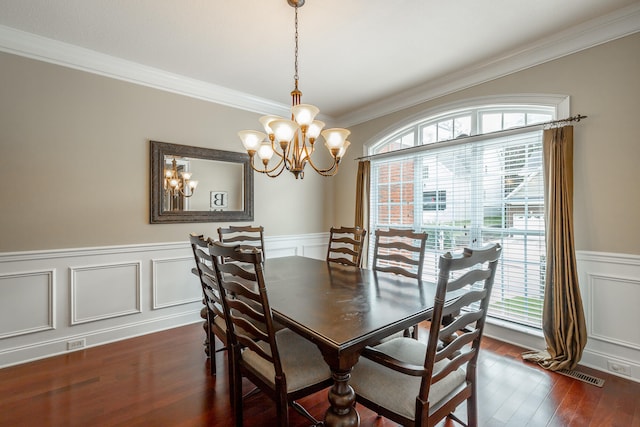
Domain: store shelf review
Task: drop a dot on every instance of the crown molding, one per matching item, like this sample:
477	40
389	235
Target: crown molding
48	50
620	23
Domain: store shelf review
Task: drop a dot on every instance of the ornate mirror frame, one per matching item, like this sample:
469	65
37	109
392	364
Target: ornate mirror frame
160	216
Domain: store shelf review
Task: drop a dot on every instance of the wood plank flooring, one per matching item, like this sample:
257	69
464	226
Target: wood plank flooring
162	379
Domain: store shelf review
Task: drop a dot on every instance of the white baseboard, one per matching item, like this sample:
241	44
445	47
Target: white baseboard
43	349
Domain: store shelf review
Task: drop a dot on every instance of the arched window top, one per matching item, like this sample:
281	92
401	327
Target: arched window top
397	135
463	122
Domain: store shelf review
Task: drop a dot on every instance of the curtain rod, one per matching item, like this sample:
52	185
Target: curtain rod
471	138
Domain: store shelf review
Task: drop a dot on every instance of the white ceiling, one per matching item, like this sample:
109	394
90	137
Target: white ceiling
358	59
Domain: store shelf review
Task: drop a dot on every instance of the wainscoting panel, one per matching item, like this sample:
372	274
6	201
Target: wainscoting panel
610	295
308	245
104	291
610	289
27	304
173	282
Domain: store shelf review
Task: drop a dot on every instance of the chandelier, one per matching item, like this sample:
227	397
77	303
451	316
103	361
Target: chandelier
178	185
293	141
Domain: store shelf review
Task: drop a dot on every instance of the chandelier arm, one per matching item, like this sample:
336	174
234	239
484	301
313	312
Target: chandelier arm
282	169
327	172
333	168
266	171
281	165
317	169
287	155
277	152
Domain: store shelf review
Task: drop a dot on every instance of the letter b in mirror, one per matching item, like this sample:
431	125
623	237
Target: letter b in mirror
219	200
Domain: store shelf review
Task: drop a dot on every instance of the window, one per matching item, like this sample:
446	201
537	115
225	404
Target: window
471	192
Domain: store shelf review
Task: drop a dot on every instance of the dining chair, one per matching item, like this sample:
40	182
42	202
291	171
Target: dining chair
400	251
249	235
215	325
345	245
418	384
281	363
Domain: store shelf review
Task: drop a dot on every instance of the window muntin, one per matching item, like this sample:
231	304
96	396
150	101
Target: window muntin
489	190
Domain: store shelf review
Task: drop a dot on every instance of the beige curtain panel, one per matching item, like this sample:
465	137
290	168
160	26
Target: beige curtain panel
363	181
563	320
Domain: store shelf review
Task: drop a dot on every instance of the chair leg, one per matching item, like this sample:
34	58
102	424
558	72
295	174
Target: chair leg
303	411
232	379
282	408
210	344
236	386
472	406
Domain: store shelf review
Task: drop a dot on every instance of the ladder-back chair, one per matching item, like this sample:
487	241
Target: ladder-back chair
418	384
282	364
215	324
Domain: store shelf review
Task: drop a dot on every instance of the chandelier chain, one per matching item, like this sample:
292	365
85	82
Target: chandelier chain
295	75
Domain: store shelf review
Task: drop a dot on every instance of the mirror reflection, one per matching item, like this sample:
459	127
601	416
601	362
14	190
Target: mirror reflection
194	184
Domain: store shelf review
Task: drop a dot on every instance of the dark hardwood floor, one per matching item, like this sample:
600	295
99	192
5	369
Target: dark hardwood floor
162	380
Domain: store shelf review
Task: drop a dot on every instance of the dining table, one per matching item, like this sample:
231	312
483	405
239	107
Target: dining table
343	309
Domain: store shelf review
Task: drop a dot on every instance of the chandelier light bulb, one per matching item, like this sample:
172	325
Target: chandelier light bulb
284	130
186	175
304	114
343	149
193	185
335	137
314	129
251	139
265	152
265	122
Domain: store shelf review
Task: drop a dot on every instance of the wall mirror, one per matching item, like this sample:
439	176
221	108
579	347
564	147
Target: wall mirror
194	184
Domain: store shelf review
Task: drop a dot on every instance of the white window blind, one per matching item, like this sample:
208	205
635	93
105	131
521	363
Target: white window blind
468	195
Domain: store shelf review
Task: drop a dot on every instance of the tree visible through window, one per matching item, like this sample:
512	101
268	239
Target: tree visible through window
470	193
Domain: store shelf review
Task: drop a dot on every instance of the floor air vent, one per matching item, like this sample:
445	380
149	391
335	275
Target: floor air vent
598	382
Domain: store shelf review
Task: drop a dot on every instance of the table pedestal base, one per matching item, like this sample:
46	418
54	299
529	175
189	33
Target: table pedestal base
342	398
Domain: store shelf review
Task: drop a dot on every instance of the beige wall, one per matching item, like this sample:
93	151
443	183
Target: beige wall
604	84
75	161
74	149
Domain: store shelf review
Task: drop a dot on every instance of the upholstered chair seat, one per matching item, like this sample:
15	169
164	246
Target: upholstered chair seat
301	361
394	390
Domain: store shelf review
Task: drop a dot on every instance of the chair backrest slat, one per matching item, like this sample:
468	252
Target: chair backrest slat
400	251
345	245
247	236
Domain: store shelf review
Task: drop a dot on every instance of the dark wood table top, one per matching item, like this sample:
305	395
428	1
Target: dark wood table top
342	308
